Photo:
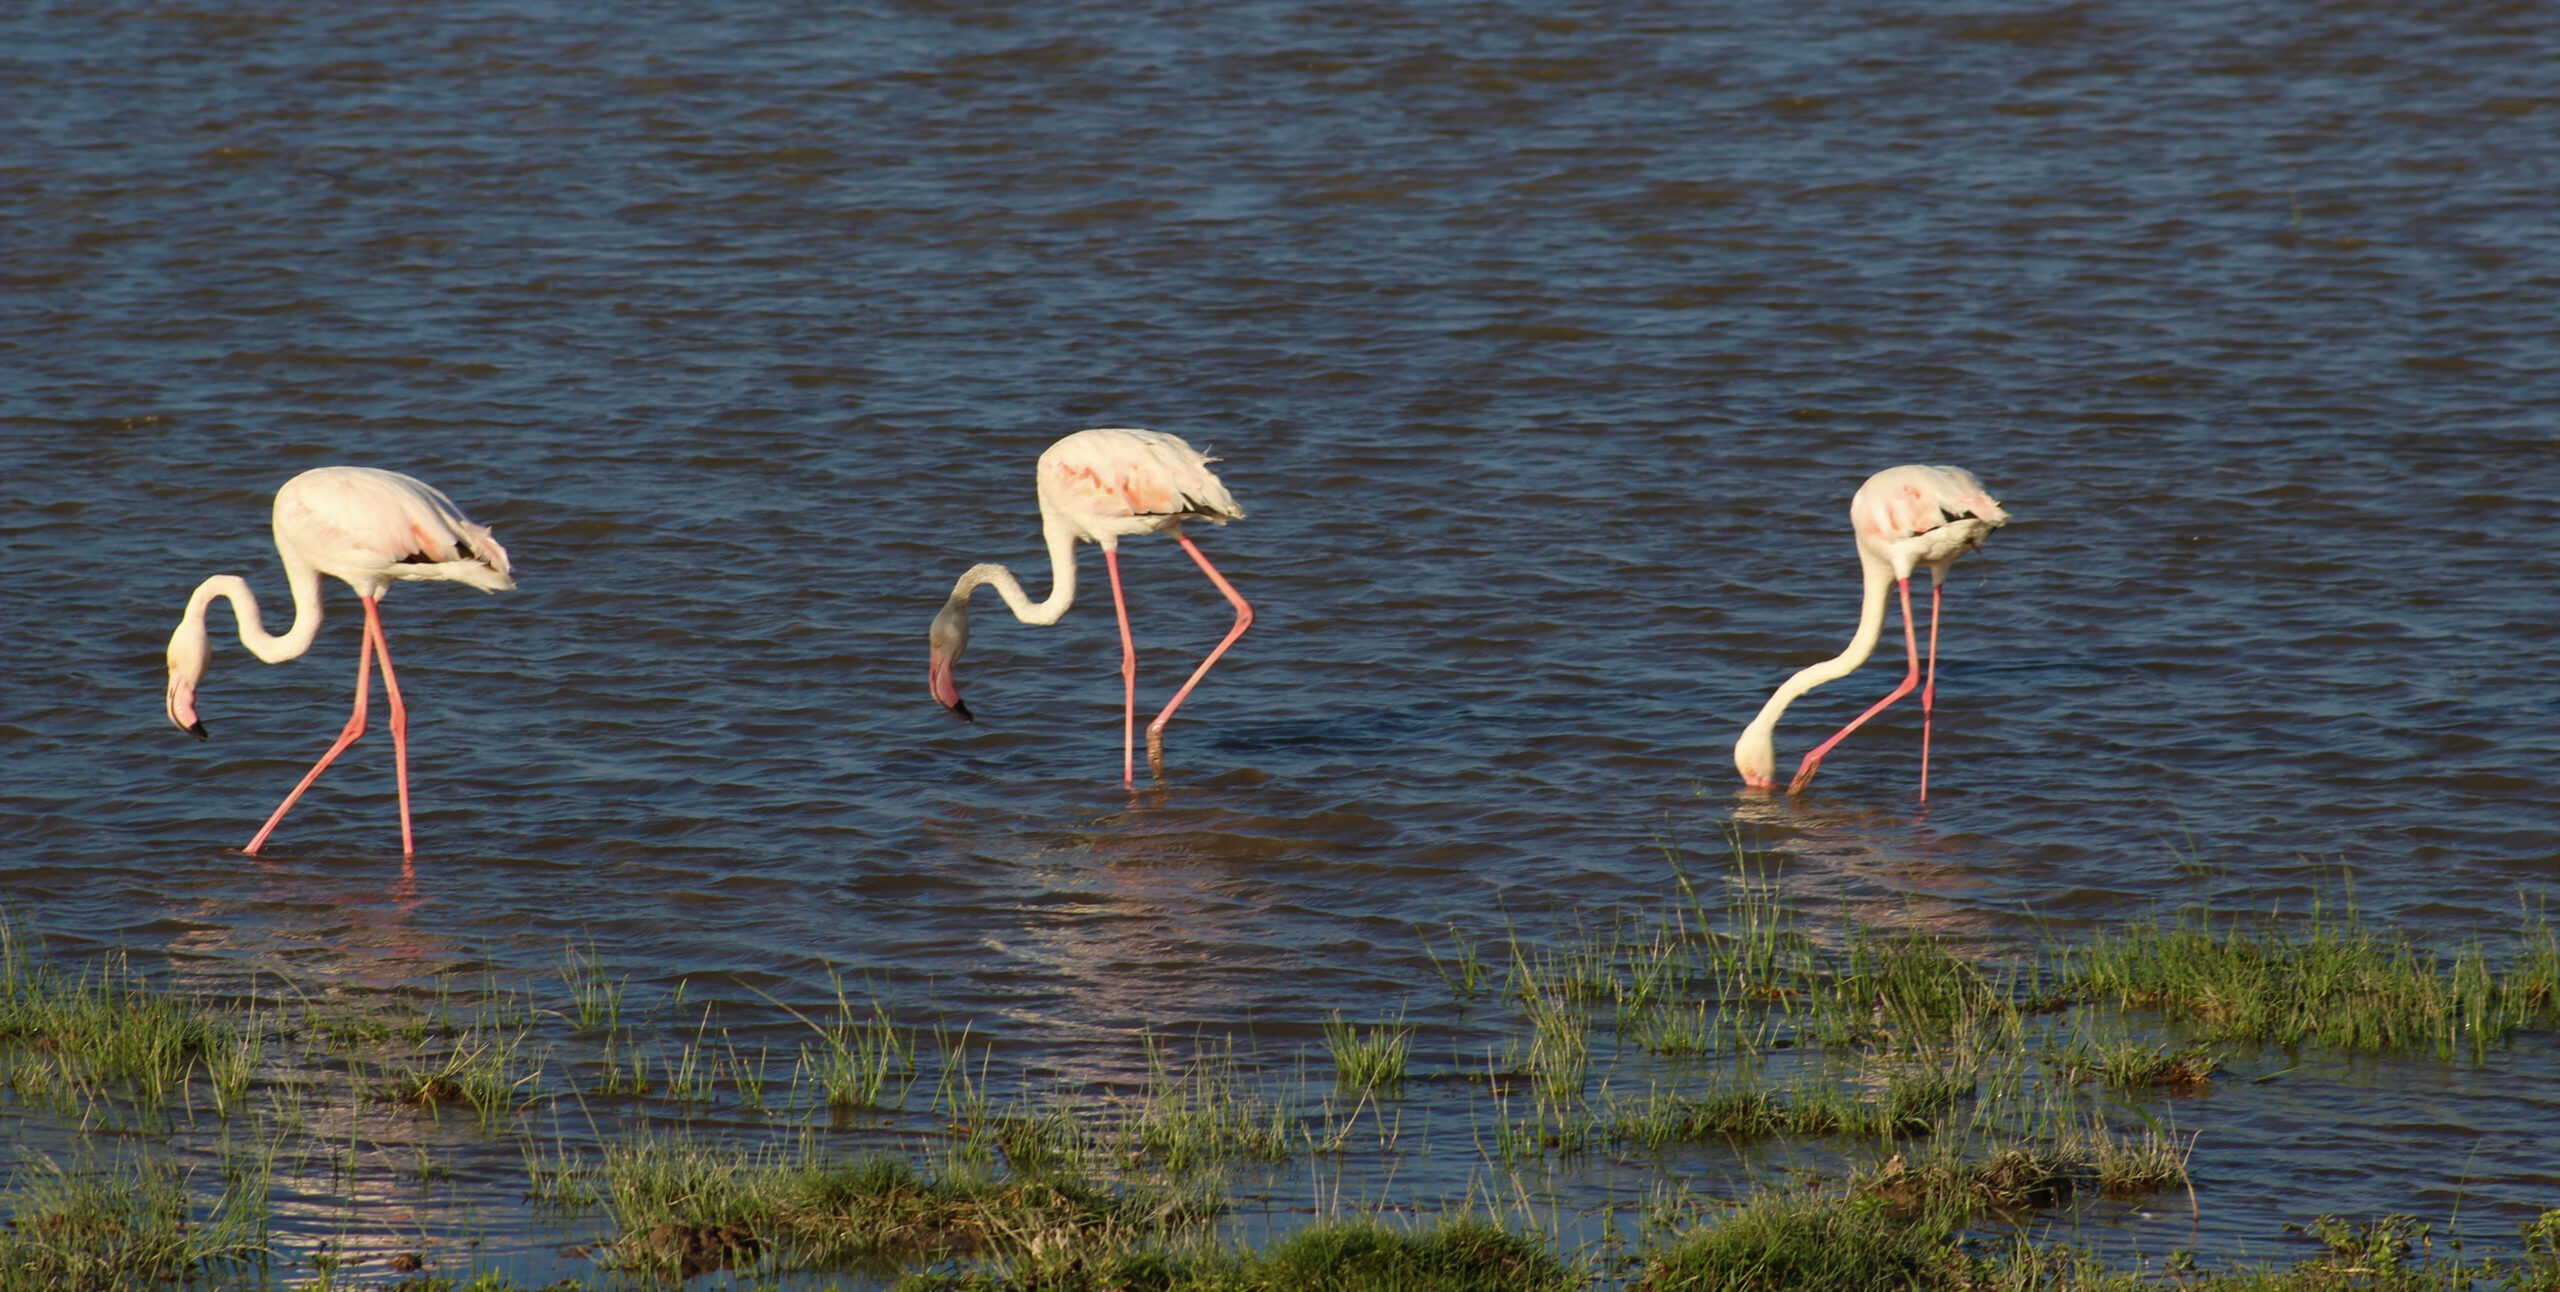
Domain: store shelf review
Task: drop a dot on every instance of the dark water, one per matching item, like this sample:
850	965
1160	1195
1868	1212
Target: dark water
1544	345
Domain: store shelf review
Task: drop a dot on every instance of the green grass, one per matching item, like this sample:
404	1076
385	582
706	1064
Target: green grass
2131	1065
1374	1061
1463	972
110	1028
1552	992
1800	1242
1460	1254
682	1207
489	1075
1205	1111
863	1059
1911	990
1960	1089
596	999
2332	978
559	1181
1907	1104
129	1223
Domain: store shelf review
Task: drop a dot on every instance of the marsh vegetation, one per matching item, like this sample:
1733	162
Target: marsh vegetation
1954	1097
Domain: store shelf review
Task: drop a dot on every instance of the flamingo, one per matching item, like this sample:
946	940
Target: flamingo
367	528
1906	517
1101	486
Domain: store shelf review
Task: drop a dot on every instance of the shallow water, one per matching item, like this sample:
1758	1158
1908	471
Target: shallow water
1544	347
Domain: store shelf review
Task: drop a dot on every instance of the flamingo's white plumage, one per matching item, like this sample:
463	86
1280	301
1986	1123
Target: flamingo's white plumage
370	529
1906	518
1100	486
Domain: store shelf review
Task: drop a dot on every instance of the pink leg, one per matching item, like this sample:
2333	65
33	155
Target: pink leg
1929	689
399	717
346	737
1911	645
1244	620
1128	675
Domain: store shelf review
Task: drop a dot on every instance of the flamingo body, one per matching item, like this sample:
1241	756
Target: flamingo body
369	529
1905	518
1113	483
1100	486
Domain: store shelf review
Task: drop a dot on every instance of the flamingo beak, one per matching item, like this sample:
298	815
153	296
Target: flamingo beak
182	710
946	688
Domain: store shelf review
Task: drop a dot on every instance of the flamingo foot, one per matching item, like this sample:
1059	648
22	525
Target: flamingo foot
1804	775
1155	751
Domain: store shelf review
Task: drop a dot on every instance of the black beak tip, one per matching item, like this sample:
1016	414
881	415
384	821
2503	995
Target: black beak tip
961	707
197	730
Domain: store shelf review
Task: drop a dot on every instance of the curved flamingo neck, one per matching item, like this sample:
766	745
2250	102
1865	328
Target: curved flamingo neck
305	584
1062	582
1879	584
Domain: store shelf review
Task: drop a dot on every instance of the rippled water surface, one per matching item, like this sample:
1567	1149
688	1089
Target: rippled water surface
1544	346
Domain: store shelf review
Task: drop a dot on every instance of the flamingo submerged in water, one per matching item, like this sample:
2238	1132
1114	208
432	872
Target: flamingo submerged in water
1101	486
367	528
1905	517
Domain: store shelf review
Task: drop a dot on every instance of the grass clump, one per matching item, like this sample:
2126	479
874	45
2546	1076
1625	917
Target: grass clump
597	998
2334	977
1907	1105
2014	1175
128	1224
109	1027
2130	1065
684	1207
1463	972
1909	990
1204	1112
1783	1242
2013	1179
491	1078
858	1056
1374	1061
1465	1254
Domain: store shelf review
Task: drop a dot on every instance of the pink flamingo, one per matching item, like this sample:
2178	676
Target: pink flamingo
368	528
1906	517
1101	486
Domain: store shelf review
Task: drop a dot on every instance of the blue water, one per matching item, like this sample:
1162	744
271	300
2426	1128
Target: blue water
1544	346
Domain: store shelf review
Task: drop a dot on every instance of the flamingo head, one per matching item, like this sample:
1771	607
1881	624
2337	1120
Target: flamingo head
949	637
189	653
1756	757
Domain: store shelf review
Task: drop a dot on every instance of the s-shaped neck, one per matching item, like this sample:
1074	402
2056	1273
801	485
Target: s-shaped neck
1062	581
300	577
1761	734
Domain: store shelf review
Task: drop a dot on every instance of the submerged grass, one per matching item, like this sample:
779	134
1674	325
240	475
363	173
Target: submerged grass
1905	1106
1955	1087
683	1207
110	1027
2332	978
1855	1242
1374	1061
127	1224
1204	1111
1818	1243
489	1074
1455	1254
2130	1065
863	1059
